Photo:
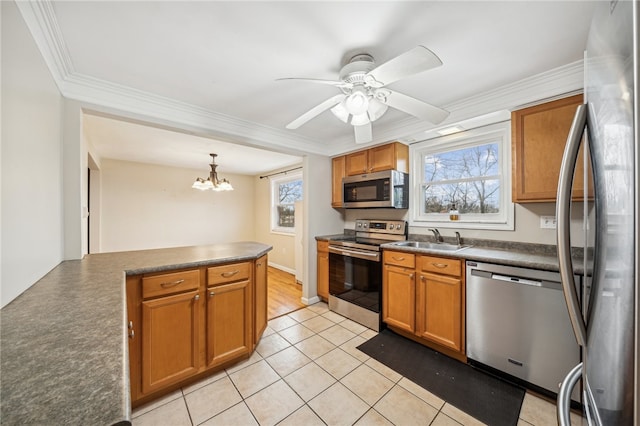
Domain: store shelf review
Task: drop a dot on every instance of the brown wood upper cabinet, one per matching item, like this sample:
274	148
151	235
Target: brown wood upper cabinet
337	173
539	135
392	156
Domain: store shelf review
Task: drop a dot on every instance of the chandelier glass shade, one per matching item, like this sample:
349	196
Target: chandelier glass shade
212	182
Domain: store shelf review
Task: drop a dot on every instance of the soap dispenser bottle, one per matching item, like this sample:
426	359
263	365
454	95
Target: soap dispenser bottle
453	212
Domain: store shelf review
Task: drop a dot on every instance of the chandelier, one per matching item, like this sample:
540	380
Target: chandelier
212	182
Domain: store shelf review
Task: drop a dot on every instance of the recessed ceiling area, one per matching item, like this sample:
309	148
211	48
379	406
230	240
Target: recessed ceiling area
130	141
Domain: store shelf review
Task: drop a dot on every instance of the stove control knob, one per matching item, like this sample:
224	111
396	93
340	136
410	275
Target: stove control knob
391	226
366	225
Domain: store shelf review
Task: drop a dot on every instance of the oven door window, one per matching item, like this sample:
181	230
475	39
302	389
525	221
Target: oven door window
358	281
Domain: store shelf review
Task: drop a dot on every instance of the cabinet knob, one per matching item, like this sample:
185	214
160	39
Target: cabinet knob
130	325
211	293
411	276
131	334
196	297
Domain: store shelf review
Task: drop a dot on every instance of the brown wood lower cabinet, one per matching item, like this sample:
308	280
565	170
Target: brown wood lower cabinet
423	298
261	304
170	338
186	324
228	322
323	270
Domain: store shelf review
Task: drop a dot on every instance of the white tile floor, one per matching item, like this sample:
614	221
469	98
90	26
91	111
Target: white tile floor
307	371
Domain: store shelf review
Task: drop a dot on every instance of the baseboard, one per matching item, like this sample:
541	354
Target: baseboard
282	268
310	301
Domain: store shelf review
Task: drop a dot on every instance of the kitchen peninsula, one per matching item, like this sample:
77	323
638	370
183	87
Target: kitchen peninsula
64	342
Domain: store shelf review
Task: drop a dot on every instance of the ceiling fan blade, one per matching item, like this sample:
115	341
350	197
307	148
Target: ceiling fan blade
413	106
335	83
315	111
412	62
363	133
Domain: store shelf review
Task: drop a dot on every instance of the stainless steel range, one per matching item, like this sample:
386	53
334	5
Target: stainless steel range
355	270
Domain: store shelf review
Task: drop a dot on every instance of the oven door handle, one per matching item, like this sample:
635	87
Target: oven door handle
353	253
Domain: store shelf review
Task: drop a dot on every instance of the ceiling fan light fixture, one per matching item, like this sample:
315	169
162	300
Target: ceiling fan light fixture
357	102
376	109
212	182
360	119
341	112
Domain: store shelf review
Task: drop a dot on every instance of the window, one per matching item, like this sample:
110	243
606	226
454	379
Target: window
468	172
285	191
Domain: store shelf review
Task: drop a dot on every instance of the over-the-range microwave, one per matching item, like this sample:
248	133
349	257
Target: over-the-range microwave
389	188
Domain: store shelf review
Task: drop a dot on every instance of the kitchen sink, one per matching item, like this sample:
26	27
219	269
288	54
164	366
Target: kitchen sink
431	246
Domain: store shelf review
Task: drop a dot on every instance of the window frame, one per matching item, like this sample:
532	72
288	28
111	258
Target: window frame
275	183
498	132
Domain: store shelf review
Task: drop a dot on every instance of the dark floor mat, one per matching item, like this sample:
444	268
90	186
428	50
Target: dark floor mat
485	397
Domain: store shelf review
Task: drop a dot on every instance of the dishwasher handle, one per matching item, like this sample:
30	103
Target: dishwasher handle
516	280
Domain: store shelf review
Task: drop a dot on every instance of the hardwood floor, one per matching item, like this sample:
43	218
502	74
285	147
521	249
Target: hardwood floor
283	293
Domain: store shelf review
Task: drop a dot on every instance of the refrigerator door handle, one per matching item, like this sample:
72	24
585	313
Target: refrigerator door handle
563	214
564	396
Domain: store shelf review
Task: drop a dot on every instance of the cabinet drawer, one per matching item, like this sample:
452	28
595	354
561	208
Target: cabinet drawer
399	258
176	282
441	265
223	274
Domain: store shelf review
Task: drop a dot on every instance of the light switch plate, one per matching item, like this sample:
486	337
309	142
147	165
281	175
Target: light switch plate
548	222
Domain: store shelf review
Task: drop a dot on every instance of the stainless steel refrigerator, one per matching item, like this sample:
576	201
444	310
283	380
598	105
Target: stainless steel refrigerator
606	321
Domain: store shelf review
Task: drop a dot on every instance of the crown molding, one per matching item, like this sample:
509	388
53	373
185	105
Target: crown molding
41	21
558	82
132	101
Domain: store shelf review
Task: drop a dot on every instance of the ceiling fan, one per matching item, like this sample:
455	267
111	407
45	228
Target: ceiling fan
365	98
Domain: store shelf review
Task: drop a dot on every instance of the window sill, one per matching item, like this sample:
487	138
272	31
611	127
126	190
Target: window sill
461	224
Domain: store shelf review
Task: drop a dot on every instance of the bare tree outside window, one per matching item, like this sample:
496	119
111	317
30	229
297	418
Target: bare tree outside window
468	178
288	193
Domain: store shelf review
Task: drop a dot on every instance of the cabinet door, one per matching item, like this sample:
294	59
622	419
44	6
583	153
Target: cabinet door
170	350
393	156
260	298
228	322
357	163
323	275
398	297
439	310
337	173
539	135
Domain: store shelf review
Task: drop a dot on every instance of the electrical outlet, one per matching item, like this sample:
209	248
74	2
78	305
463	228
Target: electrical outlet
548	222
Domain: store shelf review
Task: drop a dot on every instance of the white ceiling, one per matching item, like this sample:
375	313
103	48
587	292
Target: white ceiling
221	59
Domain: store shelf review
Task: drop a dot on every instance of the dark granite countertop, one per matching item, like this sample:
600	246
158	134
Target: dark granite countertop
63	342
525	255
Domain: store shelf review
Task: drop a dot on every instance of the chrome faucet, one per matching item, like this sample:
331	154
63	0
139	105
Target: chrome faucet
458	238
437	235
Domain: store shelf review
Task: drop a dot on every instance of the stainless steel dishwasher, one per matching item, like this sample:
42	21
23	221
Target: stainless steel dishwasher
517	323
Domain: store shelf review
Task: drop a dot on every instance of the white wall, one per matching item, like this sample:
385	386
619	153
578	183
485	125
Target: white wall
321	218
32	230
147	206
283	254
527	224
